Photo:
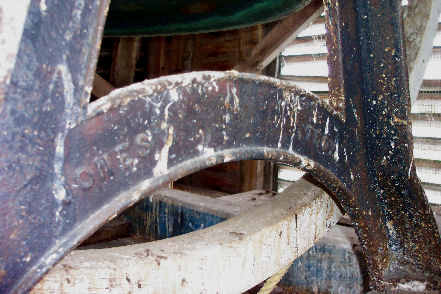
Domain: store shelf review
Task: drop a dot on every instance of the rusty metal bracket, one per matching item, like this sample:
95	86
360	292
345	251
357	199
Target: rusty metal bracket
64	172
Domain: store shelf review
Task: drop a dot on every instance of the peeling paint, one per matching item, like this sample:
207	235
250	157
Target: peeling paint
162	167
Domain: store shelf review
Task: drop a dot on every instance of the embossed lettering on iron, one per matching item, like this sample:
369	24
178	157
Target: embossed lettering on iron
148	135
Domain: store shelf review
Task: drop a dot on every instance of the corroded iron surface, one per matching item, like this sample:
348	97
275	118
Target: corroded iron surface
393	220
64	172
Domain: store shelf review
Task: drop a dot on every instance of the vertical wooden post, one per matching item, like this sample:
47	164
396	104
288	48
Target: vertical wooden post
251	174
155	56
125	55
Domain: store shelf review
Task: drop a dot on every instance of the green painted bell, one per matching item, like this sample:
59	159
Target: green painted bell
173	17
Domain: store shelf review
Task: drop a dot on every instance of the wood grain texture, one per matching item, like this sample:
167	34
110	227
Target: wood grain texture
125	55
279	38
101	87
230	257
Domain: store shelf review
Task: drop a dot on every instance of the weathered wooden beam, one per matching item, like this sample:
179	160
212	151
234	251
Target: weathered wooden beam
225	207
315	79
251	175
156	58
101	87
198	190
249	247
125	55
116	228
279	37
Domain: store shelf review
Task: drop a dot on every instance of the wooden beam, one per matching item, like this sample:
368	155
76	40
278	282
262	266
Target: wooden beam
279	37
155	57
305	58
315	79
312	40
101	87
430	85
115	229
226	206
250	248
125	55
251	175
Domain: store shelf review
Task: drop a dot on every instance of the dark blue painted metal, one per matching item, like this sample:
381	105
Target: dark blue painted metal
156	220
327	268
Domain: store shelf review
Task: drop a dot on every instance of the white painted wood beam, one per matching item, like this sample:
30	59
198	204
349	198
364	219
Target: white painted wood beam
230	257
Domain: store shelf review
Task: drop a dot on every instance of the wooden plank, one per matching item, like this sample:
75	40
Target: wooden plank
314	30
251	175
187	51
431	85
305	58
223	177
226	206
227	181
280	37
318	79
101	87
249	247
307	40
125	55
115	229
218	50
270	172
175	56
247	200
249	38
169	212
155	57
198	190
124	241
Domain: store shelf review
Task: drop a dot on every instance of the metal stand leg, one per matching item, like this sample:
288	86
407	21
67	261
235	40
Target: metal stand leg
387	204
